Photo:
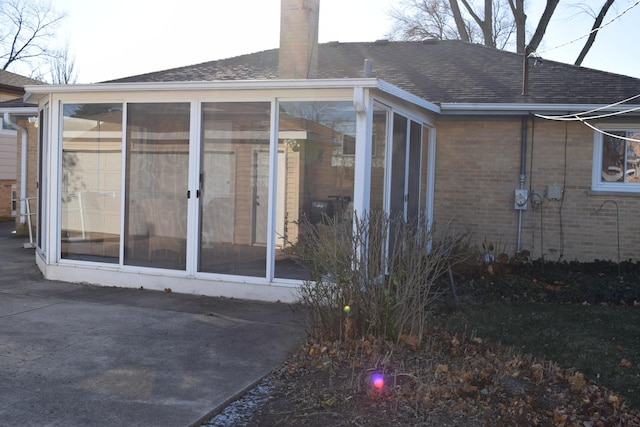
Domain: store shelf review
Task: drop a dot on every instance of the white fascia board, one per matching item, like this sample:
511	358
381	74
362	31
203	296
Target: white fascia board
37	91
519	109
20	111
387	87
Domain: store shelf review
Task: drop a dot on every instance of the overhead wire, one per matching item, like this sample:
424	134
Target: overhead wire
537	53
583	118
625	138
631	98
578	116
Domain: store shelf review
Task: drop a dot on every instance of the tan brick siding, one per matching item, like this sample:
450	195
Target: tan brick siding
5	197
477	172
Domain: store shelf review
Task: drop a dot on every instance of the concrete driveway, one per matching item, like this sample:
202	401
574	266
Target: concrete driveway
79	355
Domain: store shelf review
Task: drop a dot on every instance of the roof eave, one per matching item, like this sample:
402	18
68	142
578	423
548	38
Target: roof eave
20	111
35	92
453	108
390	89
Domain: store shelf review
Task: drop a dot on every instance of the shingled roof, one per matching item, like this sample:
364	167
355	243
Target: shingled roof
16	103
448	71
9	79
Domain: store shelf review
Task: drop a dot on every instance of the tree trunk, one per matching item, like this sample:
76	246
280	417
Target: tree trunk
520	19
486	24
594	32
457	16
542	26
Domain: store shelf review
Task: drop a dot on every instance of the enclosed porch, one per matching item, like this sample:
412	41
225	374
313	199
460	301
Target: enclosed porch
203	187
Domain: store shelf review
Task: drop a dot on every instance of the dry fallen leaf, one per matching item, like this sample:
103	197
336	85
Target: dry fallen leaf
559	418
625	363
441	369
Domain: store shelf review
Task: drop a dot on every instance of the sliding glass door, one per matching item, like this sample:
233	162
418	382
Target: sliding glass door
234	188
156	185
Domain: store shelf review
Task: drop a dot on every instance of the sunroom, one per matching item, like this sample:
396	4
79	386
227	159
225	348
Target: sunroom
200	187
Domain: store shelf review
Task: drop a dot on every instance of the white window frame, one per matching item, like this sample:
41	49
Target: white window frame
597	183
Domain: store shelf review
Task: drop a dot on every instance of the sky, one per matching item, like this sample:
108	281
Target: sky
121	38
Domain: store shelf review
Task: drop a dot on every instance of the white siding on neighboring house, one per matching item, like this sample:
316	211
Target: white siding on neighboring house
8	154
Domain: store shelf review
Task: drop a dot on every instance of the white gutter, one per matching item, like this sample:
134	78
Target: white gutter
23	165
407	96
453	108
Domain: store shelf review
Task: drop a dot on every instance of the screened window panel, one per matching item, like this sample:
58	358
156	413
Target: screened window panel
91	182
315	173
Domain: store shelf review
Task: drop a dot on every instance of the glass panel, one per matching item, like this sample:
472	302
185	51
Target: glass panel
398	161
613	150
413	177
234	202
424	197
42	125
91	175
315	172
156	185
633	158
378	156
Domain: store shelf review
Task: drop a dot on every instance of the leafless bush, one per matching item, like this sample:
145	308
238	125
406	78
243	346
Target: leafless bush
374	275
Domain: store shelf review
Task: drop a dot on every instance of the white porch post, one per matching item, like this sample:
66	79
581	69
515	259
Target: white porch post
363	105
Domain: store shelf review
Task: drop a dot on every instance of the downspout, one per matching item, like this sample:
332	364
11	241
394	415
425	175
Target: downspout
23	166
523	176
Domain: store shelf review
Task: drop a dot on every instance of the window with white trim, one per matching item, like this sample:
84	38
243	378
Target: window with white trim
616	164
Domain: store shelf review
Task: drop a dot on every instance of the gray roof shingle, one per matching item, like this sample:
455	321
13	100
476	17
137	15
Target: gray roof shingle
449	71
16	103
8	78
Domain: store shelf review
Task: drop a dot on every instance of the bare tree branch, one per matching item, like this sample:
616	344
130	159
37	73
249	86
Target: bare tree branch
486	24
63	70
422	19
28	26
594	32
542	26
504	25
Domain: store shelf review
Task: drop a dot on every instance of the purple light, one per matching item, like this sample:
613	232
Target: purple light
378	380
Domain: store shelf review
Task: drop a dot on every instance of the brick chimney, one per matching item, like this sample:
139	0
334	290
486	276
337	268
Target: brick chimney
299	39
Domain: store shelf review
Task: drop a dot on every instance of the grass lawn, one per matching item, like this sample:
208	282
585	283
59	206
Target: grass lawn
601	341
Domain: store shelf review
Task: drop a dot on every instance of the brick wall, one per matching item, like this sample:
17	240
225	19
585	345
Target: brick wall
298	55
477	172
5	197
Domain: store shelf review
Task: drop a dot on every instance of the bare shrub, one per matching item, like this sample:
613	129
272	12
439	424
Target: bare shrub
373	276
